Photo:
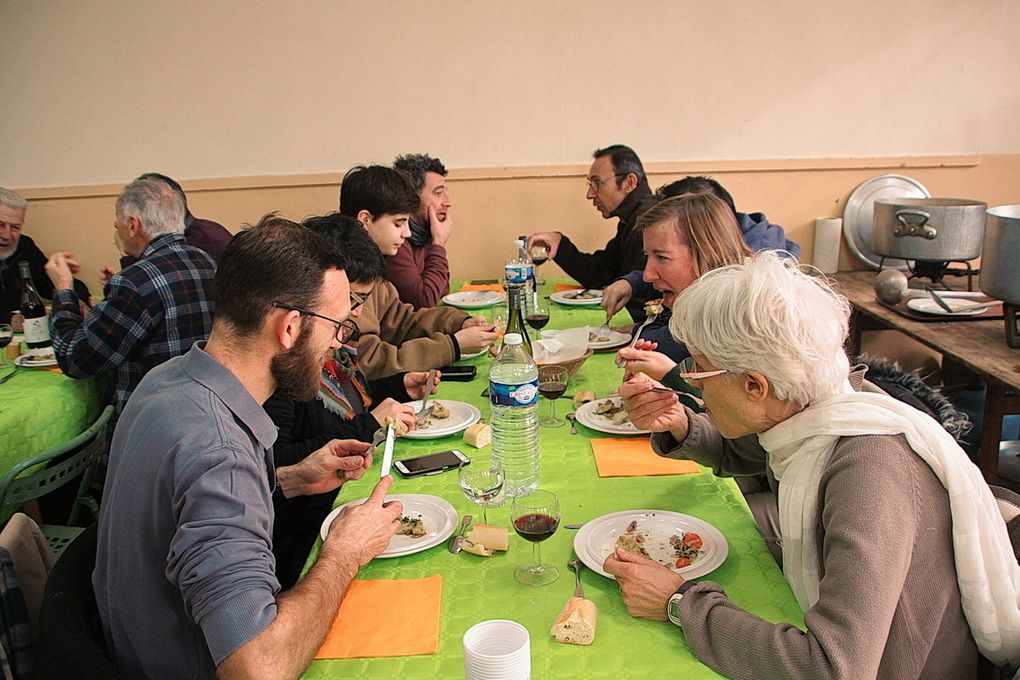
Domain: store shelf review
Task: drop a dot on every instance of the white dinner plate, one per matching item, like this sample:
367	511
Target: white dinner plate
597	539
614	339
960	307
587	417
567	297
473	355
474	299
33	361
461	416
439	516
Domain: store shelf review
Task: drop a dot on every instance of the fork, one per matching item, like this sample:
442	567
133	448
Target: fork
576	566
10	375
430	382
637	336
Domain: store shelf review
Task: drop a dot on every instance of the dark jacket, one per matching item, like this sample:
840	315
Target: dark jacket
303	427
623	253
10	278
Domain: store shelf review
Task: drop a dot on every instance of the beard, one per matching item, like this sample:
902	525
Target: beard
297	370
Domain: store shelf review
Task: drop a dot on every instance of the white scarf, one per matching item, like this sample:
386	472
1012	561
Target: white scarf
986	569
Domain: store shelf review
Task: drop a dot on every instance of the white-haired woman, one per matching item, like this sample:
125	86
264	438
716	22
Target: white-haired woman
892	542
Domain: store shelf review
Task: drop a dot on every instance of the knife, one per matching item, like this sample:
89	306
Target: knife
387	458
430	382
939	301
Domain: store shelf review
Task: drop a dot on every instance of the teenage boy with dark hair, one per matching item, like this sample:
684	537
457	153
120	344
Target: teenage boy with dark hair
394	336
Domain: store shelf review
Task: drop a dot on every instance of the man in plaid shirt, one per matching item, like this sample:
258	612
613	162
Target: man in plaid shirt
154	309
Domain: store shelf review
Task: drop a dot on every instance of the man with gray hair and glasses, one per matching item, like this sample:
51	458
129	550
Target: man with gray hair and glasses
154	309
15	247
617	187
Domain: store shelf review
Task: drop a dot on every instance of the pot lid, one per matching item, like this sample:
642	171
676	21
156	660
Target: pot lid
859	214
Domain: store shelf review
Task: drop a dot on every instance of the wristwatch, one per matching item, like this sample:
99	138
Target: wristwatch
673	605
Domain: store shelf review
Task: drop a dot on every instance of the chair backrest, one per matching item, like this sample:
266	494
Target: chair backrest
86	447
1009	505
71	641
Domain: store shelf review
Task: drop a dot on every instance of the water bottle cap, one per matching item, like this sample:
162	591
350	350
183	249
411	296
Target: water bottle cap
512	339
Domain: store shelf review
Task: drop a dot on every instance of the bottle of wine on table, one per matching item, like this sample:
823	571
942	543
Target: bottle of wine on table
37	326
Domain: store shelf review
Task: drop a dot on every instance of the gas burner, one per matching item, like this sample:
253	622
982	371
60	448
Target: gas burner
936	270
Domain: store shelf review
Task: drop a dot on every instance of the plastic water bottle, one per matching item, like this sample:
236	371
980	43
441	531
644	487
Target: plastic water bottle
520	271
513	396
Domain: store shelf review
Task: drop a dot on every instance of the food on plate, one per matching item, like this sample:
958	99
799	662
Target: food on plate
583	295
439	410
44	357
612	411
398	427
478	435
411	526
583	397
484	539
653	307
595	337
576	623
632	540
688	548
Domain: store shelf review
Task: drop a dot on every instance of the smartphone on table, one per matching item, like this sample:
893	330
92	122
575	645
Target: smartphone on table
430	464
459	373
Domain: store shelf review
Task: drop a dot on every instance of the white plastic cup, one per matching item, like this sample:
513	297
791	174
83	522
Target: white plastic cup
497	650
828	234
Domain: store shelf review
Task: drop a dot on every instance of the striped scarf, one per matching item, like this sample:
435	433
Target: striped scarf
343	368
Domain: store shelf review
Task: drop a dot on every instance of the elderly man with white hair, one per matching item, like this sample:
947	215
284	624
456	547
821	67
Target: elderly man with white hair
154	309
892	541
15	247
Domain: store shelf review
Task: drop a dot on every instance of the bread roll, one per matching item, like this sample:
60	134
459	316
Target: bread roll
478	435
583	397
493	538
576	623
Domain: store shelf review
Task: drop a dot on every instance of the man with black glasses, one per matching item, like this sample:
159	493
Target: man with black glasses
617	187
184	576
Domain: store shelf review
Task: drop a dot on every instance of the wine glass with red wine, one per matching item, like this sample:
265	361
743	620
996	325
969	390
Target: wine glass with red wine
6	334
538	315
552	383
539	255
535	517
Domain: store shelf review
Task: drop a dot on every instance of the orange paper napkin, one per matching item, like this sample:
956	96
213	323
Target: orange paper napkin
386	618
567	286
635	458
482	286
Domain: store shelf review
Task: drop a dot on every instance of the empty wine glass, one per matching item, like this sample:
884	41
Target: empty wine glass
535	517
552	383
500	315
482	482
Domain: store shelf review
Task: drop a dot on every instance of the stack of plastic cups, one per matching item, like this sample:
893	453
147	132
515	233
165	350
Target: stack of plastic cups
497	650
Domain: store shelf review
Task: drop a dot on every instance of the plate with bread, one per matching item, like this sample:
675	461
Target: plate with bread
688	545
426	521
444	417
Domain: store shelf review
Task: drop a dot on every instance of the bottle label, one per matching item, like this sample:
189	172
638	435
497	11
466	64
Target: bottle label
517	273
501	394
37	330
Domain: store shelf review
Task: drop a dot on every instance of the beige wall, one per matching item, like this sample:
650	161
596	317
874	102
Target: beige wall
97	92
492	205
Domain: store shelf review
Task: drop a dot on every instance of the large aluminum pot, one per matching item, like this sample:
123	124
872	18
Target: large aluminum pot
1000	263
933	229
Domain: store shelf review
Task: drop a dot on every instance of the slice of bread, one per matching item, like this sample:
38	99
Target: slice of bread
576	623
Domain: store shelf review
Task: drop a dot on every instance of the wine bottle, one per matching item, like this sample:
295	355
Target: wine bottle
515	322
37	327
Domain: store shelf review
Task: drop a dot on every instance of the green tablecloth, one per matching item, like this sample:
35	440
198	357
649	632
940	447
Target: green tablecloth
476	589
39	409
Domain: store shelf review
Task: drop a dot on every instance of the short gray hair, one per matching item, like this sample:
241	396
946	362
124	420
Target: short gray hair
157	206
12	199
769	316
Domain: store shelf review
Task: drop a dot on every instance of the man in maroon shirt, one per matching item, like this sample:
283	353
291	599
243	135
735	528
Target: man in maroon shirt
420	270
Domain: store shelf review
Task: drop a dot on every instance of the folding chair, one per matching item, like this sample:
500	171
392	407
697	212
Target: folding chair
16	488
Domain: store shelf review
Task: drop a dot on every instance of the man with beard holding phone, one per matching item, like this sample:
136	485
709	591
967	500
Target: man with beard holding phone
184	576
